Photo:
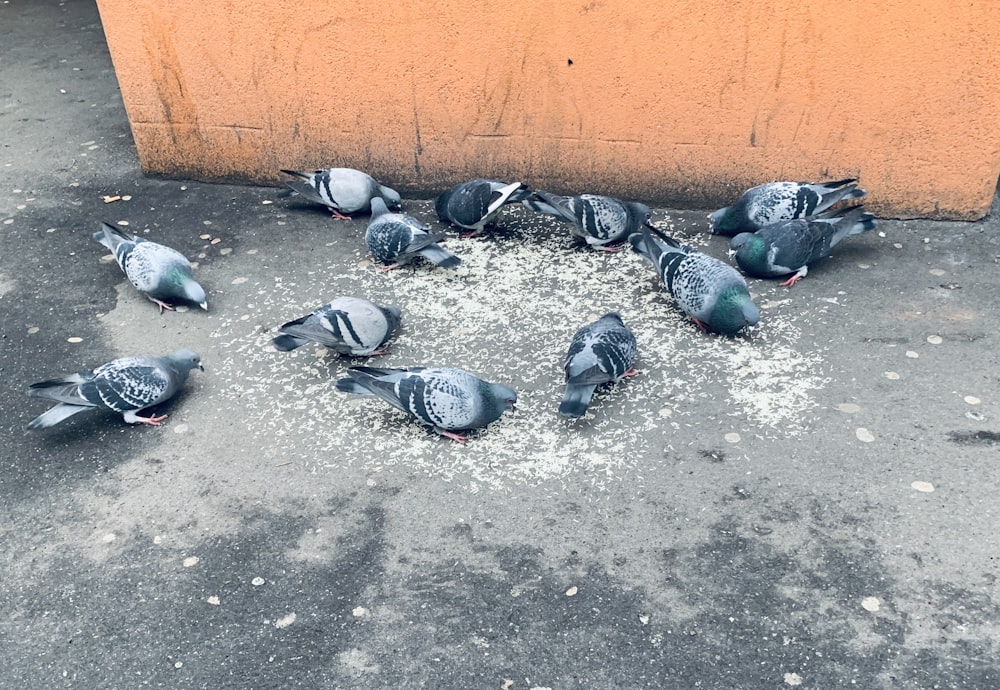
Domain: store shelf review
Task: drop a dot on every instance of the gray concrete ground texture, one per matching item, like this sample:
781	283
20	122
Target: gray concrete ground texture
811	506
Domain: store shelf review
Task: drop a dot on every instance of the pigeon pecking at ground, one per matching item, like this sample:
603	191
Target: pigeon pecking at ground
600	352
776	201
396	239
126	385
342	190
448	400
161	273
790	246
475	204
347	325
710	291
600	221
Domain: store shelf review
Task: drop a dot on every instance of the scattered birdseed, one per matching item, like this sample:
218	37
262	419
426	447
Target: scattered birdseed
871	604
849	408
127	197
251	251
123	223
21	207
206	222
891	375
665	412
925	487
33	329
111	199
732	437
191	561
180	428
182	308
213	600
107	259
937	272
935	339
225	251
864	435
158	539
216	240
793	679
205	237
267	202
109	537
178	664
359	611
74	339
911	354
257	581
239	281
897	245
8	221
972	400
571	592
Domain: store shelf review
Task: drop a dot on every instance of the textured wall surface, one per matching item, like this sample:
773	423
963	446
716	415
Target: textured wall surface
685	103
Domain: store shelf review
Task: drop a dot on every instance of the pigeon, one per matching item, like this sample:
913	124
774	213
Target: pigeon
159	272
396	239
475	204
600	352
448	400
348	325
600	221
127	385
342	190
711	292
777	201
791	245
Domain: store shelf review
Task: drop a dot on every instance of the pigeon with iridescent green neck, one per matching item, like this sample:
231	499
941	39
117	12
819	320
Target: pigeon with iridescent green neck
711	292
790	246
161	273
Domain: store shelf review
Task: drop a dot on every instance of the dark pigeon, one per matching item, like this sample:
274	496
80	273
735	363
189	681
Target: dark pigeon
601	221
127	385
347	325
475	204
448	400
790	246
161	273
710	291
600	352
776	201
396	239
342	190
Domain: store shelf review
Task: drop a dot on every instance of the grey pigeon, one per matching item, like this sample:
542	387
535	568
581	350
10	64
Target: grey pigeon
157	271
791	245
127	385
342	190
776	201
475	204
397	239
347	325
600	221
600	352
448	400
710	291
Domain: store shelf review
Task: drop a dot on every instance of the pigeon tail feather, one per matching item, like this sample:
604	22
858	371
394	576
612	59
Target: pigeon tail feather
55	415
287	343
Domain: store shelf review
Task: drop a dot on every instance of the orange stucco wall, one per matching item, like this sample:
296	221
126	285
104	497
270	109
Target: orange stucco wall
684	102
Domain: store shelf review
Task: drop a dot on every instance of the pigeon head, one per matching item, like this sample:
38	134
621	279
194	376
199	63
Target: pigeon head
749	249
502	398
638	214
194	292
391	198
613	316
733	311
184	360
725	221
394	319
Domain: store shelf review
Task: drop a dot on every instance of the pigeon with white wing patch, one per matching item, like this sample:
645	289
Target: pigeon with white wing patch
347	325
602	222
777	201
600	352
475	204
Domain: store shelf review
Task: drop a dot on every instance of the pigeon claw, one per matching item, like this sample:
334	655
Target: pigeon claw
389	267
630	372
338	214
700	325
458	438
151	421
791	281
612	249
163	305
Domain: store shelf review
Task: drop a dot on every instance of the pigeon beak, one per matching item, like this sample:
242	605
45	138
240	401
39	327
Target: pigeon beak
201	367
730	253
204	305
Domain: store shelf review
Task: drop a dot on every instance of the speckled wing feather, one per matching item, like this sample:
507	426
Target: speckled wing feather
396	238
600	352
126	385
598	220
777	201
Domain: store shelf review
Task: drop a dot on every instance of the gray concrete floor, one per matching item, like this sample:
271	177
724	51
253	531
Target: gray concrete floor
812	506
